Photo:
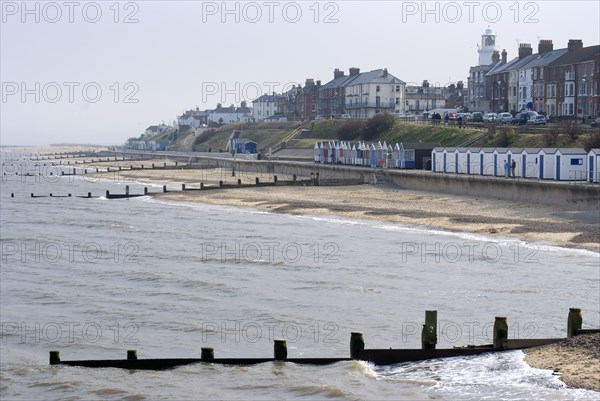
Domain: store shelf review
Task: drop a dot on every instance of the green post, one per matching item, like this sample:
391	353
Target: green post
574	322
207	353
131	354
429	332
500	332
54	357
280	349
357	344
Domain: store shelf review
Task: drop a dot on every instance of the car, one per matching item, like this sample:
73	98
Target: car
405	116
595	123
465	116
505	117
477	117
490	117
346	116
523	116
452	117
537	120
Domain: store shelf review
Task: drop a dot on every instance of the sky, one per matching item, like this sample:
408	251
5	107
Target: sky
100	72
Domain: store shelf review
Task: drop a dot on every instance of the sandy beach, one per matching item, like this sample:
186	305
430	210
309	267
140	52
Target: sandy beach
576	359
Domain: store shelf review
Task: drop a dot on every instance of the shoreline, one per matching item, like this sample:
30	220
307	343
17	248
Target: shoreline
541	225
576	359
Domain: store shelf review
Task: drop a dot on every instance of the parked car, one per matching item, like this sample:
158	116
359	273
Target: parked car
505	117
405	116
346	116
523	116
465	116
595	123
537	120
452	117
490	117
477	117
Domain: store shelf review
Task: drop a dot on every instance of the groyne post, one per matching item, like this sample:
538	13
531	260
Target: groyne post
126	189
54	357
280	349
207	353
164	188
357	344
429	332
574	322
500	332
131	354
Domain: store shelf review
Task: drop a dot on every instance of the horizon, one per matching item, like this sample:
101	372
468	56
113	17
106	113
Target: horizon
93	72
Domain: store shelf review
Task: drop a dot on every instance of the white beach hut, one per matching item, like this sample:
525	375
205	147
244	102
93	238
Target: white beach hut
437	160
461	160
594	165
546	164
397	156
448	165
570	164
529	166
500	159
486	158
473	162
515	154
316	153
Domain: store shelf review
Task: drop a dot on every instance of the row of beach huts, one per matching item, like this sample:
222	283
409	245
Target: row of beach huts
372	154
560	164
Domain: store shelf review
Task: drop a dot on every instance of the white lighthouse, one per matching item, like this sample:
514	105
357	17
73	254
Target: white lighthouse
487	47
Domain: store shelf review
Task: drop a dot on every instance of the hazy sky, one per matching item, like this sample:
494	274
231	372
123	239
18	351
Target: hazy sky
101	72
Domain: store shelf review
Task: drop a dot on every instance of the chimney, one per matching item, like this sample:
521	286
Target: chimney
525	50
385	72
309	82
243	104
319	82
504	54
337	73
354	71
575	44
545	46
495	57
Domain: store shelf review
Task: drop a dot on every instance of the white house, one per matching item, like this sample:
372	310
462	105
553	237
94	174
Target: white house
231	114
373	92
264	107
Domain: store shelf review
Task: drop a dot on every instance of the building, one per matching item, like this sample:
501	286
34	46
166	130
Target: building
231	114
265	107
374	92
332	95
478	91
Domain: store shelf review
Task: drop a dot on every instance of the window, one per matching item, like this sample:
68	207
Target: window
378	88
576	162
397	100
397	88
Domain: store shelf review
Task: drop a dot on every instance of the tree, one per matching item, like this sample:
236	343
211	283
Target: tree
377	125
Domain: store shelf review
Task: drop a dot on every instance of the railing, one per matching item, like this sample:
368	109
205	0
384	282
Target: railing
381	105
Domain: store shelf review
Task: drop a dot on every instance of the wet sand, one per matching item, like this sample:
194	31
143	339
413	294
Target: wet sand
576	359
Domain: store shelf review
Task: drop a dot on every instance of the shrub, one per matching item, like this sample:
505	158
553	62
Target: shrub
377	125
350	130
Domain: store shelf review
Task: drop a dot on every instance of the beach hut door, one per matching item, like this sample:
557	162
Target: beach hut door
591	172
557	168
542	167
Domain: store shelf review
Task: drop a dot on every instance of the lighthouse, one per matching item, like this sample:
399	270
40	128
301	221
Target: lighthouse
487	47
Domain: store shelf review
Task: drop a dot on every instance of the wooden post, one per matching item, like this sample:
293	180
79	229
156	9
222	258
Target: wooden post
201	185
89	194
54	357
500	332
318	180
152	165
207	353
574	322
165	165
220	183
164	188
294	177
239	181
107	193
145	190
183	187
131	354
176	164
257	181
275	179
32	194
357	344
126	189
12	195
429	333
50	194
280	349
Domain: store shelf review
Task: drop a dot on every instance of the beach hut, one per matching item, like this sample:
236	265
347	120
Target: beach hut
515	154
397	155
500	159
461	160
316	153
486	161
570	164
447	160
373	155
472	161
437	157
528	166
546	163
594	165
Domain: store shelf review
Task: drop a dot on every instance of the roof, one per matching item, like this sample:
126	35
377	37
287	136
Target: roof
375	76
572	151
577	56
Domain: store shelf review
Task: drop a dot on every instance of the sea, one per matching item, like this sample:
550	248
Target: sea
95	277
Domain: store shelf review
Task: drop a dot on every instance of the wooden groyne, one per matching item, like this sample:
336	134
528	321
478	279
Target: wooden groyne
358	351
